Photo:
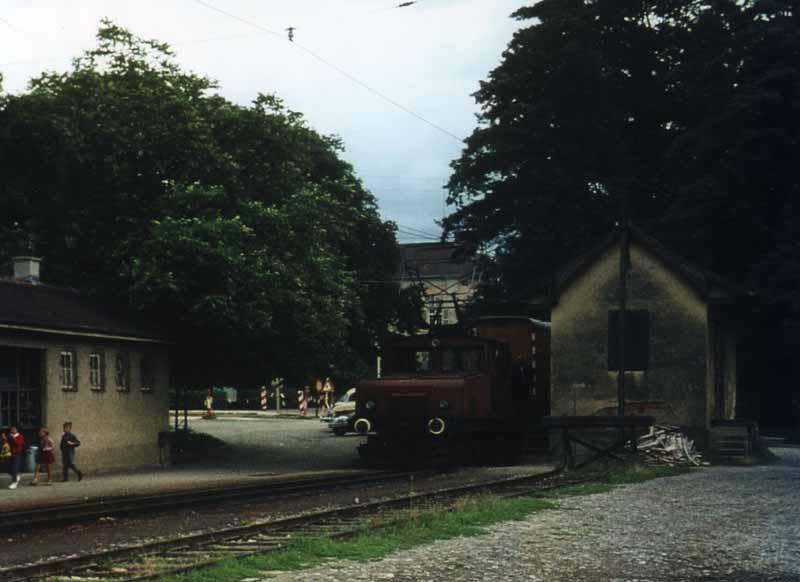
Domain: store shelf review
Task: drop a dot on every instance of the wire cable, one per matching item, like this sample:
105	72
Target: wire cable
12	26
418	232
332	66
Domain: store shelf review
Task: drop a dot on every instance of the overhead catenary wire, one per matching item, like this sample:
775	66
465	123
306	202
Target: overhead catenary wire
328	63
185	42
416	235
12	26
418	230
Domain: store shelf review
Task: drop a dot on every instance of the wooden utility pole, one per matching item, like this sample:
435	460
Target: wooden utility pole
624	264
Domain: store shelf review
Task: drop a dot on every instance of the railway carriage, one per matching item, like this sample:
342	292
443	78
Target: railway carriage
472	390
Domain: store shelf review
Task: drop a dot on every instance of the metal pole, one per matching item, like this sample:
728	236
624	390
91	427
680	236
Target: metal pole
185	410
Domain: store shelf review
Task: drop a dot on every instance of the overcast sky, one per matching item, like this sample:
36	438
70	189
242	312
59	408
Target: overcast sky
428	58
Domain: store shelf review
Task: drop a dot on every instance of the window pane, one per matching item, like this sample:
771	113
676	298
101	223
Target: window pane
121	366
471	360
422	361
146	372
67	370
449	360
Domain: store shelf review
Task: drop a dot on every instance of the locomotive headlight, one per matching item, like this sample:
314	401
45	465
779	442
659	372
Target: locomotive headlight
370	405
436	426
444	404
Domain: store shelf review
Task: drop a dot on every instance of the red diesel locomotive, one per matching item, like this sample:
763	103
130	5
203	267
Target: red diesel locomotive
473	390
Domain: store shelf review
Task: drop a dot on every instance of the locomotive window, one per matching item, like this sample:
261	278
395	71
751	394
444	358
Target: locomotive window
461	359
471	360
449	360
423	361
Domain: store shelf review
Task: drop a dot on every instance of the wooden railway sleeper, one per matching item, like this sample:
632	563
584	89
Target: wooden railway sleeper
251	546
99	574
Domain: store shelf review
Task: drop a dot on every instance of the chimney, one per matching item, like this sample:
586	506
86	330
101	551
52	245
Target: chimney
26	269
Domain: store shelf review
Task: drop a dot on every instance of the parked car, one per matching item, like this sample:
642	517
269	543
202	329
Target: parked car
341	425
343	413
346	404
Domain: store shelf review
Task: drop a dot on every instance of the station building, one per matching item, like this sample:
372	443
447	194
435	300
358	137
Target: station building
681	333
65	357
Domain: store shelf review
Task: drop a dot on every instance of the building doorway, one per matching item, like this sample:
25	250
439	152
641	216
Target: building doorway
21	383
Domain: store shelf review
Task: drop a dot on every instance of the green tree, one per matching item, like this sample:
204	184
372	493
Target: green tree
239	228
686	108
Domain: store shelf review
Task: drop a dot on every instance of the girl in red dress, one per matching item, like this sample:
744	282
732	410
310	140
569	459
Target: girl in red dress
44	457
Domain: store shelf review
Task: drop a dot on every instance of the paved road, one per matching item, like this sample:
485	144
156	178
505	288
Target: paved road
721	524
280	445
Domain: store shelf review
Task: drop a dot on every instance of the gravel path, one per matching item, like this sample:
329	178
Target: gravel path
720	524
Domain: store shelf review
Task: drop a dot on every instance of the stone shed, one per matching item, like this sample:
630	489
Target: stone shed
65	357
680	344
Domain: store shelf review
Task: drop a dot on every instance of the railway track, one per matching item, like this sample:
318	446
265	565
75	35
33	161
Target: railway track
153	560
118	506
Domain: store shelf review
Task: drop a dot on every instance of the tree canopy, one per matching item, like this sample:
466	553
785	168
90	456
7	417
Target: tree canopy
687	108
239	228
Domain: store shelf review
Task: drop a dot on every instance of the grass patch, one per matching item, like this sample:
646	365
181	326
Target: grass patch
469	518
606	477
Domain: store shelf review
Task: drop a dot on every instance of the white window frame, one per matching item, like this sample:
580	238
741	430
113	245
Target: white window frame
122	369
68	368
146	368
97	371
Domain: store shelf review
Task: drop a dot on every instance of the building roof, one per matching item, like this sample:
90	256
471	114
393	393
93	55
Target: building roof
709	285
433	261
44	308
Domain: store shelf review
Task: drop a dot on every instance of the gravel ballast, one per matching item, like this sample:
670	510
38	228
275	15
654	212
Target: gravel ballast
732	524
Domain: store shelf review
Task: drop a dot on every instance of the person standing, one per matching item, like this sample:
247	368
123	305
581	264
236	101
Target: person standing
209	404
45	457
318	400
69	442
17	444
5	450
327	392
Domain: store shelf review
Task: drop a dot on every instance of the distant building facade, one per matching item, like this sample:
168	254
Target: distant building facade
680	339
446	279
64	357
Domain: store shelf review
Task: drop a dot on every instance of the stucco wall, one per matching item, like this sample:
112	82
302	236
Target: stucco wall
118	429
677	375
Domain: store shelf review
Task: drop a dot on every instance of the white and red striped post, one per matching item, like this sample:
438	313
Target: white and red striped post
263	398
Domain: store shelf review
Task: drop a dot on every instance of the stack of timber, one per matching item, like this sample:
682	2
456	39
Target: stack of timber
668	445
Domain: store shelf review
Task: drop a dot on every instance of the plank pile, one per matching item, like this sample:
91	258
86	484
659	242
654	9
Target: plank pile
668	445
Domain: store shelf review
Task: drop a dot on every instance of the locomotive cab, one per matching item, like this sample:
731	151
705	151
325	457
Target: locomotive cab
468	389
434	390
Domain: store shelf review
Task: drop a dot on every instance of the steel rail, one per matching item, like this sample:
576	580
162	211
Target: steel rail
212	547
114	506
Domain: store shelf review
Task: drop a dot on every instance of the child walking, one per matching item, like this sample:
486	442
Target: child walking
16	444
69	442
45	457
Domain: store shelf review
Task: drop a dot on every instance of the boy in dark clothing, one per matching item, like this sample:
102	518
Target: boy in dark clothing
69	442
